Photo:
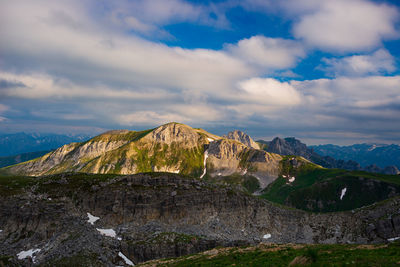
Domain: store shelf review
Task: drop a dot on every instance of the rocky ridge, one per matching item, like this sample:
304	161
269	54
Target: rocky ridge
242	138
172	147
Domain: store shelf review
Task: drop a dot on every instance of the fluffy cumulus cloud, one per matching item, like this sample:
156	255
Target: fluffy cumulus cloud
271	53
379	62
270	92
148	16
344	25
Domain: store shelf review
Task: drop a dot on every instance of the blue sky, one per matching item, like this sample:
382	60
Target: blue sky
322	71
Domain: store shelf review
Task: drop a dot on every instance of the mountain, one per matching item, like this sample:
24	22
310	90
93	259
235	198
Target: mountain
126	197
242	138
365	154
293	146
172	147
102	220
13	144
15	159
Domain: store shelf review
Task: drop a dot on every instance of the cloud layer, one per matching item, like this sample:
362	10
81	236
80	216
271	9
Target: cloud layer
77	65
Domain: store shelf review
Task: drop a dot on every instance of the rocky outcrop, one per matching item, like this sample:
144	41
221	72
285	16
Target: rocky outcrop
166	215
226	157
242	138
289	146
170	133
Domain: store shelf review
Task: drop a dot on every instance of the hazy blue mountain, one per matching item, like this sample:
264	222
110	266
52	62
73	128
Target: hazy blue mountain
15	159
372	158
365	154
18	143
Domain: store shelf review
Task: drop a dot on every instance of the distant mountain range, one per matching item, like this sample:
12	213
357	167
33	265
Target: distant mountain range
365	154
372	158
17	143
15	159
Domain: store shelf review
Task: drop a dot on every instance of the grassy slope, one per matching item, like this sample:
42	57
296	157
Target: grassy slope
325	185
284	255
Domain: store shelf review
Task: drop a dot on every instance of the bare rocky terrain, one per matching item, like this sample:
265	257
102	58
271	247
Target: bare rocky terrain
149	216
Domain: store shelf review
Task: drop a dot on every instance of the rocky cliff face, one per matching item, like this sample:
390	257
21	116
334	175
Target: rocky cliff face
151	216
242	138
226	157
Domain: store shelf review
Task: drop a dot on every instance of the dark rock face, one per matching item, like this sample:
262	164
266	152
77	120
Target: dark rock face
165	215
289	146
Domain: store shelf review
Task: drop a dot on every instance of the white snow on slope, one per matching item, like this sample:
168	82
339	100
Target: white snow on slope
107	232
267	236
127	261
28	253
343	193
205	164
393	239
92	219
210	140
291	180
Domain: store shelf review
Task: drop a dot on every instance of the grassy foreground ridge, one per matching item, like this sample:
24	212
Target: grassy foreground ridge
290	255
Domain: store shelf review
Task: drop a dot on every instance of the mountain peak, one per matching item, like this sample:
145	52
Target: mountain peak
174	132
243	138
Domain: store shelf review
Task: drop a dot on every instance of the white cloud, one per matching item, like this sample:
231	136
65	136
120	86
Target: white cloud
149	118
270	53
379	62
344	25
149	16
270	92
373	96
3	108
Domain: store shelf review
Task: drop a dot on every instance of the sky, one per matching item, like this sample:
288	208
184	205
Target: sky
323	71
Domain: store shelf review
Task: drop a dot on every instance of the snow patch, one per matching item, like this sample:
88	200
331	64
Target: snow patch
92	219
205	164
291	180
284	176
343	193
393	239
210	139
107	232
28	253
177	171
267	236
127	261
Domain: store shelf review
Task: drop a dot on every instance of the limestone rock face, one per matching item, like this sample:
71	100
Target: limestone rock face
226	157
243	138
174	133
